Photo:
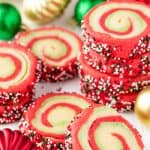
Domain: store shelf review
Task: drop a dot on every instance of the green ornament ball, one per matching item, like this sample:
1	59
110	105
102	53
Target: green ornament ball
83	6
10	21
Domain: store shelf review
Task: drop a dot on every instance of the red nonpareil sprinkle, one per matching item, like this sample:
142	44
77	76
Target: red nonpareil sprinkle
115	60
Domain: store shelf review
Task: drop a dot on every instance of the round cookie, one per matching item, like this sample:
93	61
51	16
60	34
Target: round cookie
116	92
112	41
119	25
47	120
56	48
92	128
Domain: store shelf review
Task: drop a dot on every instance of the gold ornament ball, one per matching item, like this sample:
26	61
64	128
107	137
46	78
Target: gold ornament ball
43	11
142	106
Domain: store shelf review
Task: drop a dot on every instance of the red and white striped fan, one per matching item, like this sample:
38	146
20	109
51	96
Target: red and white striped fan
15	140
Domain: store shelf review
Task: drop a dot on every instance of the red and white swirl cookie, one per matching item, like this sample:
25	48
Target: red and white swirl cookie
109	37
119	25
57	48
102	128
46	122
14	140
17	79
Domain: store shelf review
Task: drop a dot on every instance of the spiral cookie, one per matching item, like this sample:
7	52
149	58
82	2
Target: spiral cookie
48	119
57	48
92	128
17	78
111	41
15	140
119	25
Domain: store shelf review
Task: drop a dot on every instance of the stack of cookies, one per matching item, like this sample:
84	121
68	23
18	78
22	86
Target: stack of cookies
115	61
18	75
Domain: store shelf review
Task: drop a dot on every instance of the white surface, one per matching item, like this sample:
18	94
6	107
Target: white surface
73	85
